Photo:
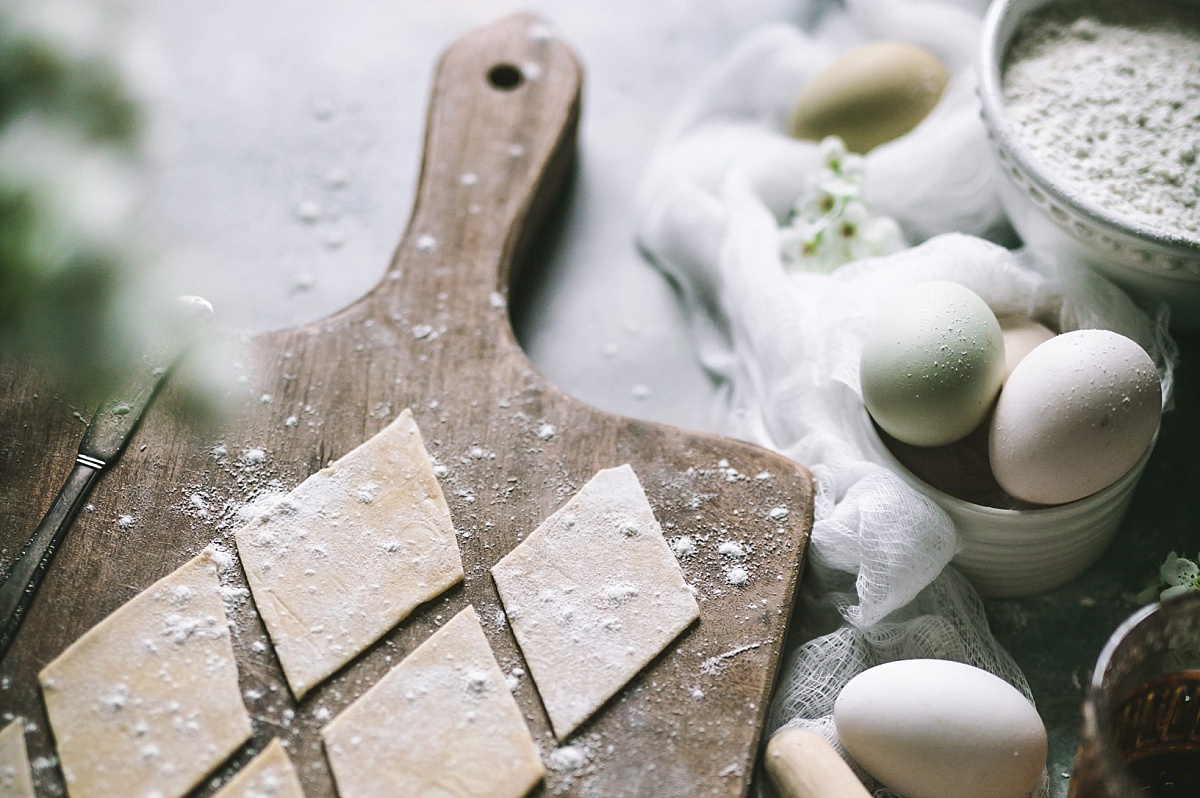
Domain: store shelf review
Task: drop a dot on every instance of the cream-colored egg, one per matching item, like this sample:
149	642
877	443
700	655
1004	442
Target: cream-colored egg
932	364
931	728
870	95
1021	336
1074	416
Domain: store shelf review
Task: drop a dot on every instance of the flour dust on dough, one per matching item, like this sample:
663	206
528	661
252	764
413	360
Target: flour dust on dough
16	779
147	702
441	723
593	595
269	775
349	553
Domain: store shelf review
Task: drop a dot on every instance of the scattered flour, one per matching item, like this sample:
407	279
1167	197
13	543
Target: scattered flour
684	546
308	212
732	549
336	177
1107	92
263	504
619	592
569	759
221	557
199	504
715	665
43	763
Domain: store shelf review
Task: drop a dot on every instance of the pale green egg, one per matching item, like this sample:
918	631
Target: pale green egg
932	364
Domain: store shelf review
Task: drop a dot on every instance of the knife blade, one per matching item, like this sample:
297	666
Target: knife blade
111	426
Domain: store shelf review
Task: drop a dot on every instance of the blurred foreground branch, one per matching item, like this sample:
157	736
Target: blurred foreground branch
71	251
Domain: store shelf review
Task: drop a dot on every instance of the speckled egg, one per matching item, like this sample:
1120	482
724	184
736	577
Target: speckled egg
870	95
1074	417
929	728
932	364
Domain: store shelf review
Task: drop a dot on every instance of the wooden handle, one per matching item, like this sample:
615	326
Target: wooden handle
499	147
802	765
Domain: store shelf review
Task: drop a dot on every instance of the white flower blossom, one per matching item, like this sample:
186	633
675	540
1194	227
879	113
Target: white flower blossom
1176	576
829	224
1180	574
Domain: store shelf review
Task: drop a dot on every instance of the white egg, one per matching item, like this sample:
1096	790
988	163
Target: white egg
1074	416
931	728
1021	336
932	364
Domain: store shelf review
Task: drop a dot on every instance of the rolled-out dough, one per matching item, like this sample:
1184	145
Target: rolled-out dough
147	702
441	724
269	775
16	779
349	553
593	594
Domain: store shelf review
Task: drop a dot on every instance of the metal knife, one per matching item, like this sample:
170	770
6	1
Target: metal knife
108	432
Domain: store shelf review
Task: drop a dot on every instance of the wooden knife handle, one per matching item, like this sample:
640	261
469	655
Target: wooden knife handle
802	765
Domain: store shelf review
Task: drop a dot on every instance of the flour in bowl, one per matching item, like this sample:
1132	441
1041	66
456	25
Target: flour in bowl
1107	93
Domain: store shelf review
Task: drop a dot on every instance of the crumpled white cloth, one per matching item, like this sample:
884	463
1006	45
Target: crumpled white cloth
784	345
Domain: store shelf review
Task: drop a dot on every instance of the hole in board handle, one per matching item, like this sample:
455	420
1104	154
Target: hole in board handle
505	77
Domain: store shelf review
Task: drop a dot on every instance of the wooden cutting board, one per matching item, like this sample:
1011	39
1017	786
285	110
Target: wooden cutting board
433	335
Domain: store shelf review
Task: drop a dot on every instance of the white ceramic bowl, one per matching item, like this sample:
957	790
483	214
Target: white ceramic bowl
1057	222
1012	553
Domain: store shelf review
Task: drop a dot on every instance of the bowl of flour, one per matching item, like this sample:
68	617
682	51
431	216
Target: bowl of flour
1092	108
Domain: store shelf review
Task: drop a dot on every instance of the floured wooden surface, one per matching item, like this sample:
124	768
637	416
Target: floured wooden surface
433	336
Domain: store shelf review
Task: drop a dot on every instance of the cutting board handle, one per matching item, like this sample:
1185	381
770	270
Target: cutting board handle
499	147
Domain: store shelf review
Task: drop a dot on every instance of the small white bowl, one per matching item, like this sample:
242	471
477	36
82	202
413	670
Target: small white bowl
1013	553
1058	223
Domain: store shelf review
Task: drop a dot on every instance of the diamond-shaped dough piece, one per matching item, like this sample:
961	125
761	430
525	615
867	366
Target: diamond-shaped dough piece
349	553
593	595
16	779
441	723
269	775
147	701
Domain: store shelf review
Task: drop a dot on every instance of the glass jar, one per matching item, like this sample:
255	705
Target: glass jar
1141	717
